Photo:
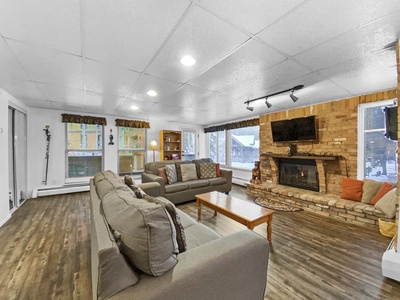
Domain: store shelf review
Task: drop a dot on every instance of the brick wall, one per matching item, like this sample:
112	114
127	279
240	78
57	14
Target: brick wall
337	135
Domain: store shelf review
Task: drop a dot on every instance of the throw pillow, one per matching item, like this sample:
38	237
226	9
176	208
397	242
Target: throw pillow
161	173
386	187
188	172
387	204
148	237
370	188
352	189
170	170
207	170
139	193
217	170
170	207
128	180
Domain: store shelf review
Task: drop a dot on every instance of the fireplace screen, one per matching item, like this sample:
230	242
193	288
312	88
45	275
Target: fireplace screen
300	173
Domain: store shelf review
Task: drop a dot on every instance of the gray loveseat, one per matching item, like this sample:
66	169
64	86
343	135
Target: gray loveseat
183	191
212	267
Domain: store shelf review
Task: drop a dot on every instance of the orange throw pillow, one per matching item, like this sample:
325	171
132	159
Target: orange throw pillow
386	187
352	189
163	174
217	170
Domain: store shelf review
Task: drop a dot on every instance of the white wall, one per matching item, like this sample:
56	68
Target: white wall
39	118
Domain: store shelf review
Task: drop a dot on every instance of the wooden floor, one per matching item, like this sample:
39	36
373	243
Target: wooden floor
45	253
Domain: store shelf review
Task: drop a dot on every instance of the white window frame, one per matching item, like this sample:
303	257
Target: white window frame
133	150
360	133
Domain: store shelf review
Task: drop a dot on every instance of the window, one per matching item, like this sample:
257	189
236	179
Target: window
235	148
84	149
189	145
376	153
131	150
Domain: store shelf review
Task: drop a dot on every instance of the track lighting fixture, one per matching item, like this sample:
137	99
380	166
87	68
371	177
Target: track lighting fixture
293	97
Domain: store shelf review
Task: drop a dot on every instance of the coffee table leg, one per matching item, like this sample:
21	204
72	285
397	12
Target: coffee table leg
198	210
269	232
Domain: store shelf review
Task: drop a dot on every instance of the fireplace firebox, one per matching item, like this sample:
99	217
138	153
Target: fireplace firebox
300	173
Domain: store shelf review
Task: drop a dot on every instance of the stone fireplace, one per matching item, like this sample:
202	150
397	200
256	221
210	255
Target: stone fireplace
299	173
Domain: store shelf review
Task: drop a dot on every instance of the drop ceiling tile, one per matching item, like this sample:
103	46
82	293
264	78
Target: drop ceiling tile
143	106
317	21
261	84
201	35
103	78
9	65
25	91
104	101
242	64
164	88
186	96
49	66
242	13
62	94
129	33
51	24
360	41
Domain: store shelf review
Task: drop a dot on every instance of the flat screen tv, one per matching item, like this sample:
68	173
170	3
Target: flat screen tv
391	122
294	130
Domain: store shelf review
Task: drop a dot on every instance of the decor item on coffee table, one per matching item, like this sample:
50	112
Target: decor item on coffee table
275	205
239	210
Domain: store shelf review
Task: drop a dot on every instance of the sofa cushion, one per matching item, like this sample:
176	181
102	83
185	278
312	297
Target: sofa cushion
188	172
107	181
198	183
217	181
387	204
386	187
170	207
352	189
199	234
176	187
370	188
186	220
170	170
207	170
148	237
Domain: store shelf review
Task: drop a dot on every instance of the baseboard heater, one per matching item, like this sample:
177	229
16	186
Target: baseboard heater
59	190
240	181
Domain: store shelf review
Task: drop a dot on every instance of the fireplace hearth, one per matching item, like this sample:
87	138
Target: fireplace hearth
300	173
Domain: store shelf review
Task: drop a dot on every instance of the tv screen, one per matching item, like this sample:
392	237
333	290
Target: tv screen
294	130
391	122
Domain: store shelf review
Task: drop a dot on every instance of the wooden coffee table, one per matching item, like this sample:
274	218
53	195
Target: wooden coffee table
242	211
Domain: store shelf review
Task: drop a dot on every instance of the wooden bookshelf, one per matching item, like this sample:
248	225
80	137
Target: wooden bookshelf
170	145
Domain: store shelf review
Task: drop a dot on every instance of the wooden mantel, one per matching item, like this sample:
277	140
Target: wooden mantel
320	161
299	156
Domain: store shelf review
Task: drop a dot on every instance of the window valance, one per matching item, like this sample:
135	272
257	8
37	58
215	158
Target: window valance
235	125
131	123
68	118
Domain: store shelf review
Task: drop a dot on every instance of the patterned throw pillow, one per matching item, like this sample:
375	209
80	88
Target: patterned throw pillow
207	170
139	193
170	208
128	180
171	173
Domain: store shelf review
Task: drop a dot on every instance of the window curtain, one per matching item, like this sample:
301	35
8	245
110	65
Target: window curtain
235	125
131	123
68	118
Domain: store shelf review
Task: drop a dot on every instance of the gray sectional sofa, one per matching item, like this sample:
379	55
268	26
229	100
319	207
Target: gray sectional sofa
211	267
183	191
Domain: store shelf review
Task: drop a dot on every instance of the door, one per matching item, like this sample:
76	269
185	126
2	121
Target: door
189	145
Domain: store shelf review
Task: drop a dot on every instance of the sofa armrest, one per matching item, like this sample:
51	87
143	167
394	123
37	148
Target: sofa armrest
151	188
233	267
227	174
147	177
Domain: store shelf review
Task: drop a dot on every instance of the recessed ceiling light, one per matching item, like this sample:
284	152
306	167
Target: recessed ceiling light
152	93
188	61
134	107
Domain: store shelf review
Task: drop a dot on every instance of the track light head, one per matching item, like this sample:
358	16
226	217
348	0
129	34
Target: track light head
294	98
267	103
250	108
